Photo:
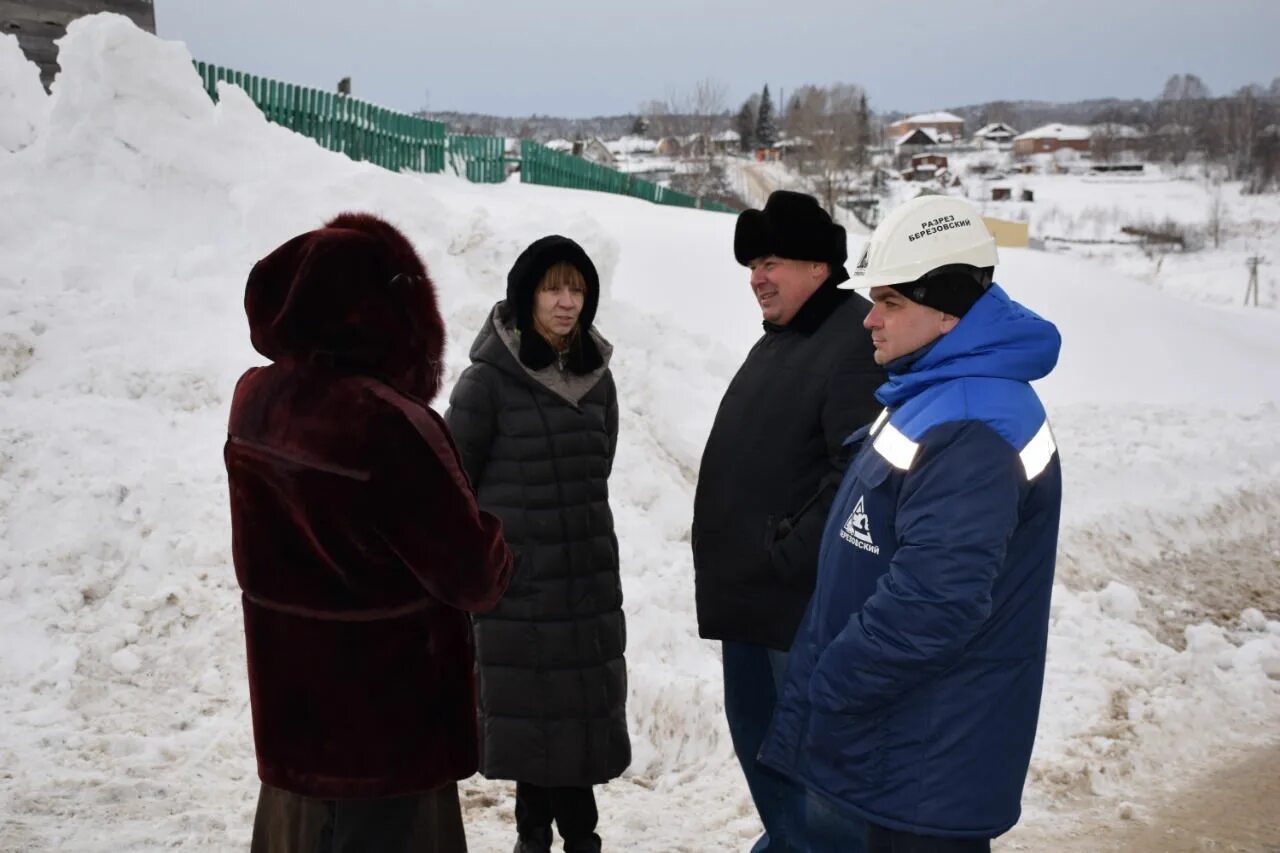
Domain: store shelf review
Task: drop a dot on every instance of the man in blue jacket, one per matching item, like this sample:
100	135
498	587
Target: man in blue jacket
914	683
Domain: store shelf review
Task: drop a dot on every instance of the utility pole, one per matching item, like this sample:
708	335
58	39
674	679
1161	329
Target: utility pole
1251	292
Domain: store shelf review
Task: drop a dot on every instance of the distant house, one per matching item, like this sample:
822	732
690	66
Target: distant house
1175	131
1002	192
923	172
564	146
944	125
996	133
593	150
696	145
915	141
669	146
926	167
1117	168
1109	141
792	144
1117	131
631	145
701	144
1052	137
726	141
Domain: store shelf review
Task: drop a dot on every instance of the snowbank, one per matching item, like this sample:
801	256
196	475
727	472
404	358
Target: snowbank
23	103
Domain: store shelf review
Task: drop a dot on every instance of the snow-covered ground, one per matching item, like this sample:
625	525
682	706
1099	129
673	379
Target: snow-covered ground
131	209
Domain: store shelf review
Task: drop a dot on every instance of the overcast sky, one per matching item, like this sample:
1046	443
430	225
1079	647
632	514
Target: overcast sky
577	58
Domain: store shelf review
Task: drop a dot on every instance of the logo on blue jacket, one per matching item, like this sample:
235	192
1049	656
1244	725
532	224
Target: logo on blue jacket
857	529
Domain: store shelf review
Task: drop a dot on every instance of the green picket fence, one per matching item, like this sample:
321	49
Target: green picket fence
480	159
398	141
541	165
341	123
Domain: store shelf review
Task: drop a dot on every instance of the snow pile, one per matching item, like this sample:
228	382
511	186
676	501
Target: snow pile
23	103
128	224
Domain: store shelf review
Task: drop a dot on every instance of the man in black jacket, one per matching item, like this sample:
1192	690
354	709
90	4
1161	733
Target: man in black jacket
770	470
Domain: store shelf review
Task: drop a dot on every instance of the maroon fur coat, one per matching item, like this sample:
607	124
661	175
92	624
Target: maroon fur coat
356	536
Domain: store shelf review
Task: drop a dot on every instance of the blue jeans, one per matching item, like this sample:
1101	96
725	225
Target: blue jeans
885	840
795	820
752	677
830	828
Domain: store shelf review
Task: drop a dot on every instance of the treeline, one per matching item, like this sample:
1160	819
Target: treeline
1239	131
835	129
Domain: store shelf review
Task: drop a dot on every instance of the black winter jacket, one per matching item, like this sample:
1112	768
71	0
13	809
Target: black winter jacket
771	467
553	679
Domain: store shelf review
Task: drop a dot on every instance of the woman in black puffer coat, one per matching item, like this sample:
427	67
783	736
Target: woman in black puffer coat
535	418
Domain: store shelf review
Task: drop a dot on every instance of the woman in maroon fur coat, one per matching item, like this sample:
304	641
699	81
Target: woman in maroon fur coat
360	550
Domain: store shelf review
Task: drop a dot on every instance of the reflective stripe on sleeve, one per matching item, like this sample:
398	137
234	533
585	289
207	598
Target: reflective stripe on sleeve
895	447
1038	452
879	421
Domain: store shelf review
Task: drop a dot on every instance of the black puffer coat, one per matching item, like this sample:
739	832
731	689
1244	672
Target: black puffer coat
552	675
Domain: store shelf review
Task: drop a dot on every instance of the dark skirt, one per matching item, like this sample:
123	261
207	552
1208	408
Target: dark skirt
417	823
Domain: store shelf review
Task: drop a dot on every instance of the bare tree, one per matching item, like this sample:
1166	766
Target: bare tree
697	114
1184	87
707	106
829	123
1112	132
658	113
1230	133
704	104
1244	135
805	119
1103	142
1184	117
1217	213
1267	171
998	111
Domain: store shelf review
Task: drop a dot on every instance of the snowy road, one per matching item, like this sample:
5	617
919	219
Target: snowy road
1230	807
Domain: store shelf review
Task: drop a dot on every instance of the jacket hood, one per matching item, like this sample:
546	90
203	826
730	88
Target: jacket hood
534	262
353	295
998	339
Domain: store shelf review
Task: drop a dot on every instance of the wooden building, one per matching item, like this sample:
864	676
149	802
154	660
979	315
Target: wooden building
948	126
1052	137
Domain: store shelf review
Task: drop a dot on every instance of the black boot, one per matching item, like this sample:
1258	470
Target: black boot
538	841
585	844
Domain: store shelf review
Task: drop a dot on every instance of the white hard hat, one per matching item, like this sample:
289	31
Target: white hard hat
920	236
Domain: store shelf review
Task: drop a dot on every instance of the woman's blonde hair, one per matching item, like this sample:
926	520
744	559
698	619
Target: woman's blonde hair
560	274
